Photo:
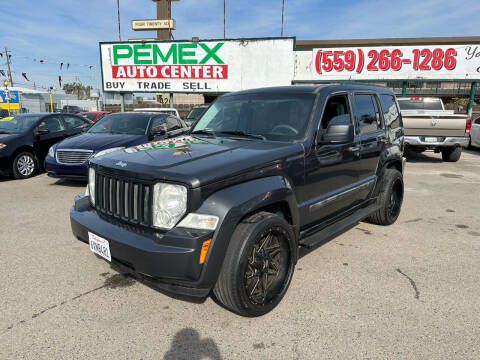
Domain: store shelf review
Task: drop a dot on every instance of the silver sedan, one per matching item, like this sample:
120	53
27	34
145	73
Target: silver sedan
475	133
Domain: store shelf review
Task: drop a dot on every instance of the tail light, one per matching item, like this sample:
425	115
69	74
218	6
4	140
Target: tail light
468	126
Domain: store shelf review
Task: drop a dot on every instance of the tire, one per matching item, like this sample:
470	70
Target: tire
452	155
247	267
390	198
24	165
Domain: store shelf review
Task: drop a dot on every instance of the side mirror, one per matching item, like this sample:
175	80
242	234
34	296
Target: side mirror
338	134
39	132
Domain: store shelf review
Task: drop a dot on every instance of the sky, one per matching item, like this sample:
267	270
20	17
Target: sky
69	31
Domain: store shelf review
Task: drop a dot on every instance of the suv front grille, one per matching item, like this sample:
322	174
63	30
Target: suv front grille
124	198
73	157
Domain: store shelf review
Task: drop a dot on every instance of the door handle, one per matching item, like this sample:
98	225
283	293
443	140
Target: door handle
354	148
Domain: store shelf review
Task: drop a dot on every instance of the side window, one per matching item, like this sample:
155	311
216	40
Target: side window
390	111
52	124
73	122
336	112
477	121
159	124
173	123
367	114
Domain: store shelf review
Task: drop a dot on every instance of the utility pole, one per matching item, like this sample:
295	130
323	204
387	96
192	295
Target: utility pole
8	67
118	20
224	27
283	11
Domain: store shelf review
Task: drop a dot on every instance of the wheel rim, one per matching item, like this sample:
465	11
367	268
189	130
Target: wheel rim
396	198
267	267
25	165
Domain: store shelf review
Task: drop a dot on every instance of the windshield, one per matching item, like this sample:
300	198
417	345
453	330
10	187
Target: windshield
274	116
420	104
195	113
18	123
122	123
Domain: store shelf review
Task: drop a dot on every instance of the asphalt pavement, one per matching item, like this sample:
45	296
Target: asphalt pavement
408	291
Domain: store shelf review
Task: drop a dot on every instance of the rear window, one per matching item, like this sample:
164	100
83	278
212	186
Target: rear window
420	104
89	116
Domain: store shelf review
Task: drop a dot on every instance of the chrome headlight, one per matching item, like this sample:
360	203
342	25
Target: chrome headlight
169	204
2	146
51	151
107	151
91	184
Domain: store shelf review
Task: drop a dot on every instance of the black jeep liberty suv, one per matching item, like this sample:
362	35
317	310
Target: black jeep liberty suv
262	173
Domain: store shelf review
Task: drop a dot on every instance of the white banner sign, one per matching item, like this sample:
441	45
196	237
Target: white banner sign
390	63
206	66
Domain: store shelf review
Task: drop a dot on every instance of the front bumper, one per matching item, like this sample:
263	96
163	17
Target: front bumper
442	141
61	171
167	260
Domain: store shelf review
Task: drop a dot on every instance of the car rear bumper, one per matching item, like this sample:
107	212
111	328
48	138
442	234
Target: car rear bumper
61	171
441	141
166	260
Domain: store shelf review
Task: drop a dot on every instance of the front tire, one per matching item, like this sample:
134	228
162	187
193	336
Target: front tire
452	155
390	198
258	265
24	165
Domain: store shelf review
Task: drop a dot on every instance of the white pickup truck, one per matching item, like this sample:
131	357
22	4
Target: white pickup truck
428	126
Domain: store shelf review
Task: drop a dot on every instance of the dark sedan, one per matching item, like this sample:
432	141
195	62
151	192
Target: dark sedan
26	138
69	158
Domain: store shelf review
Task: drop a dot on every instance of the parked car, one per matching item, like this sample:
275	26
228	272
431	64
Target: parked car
195	114
26	138
94	116
72	109
428	126
69	158
169	111
263	172
475	133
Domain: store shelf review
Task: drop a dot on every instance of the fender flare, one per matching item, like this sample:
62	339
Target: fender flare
231	205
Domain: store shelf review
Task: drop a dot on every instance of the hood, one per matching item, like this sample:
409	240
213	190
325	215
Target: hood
197	161
97	142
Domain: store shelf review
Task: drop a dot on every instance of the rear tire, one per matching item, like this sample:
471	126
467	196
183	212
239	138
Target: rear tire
258	265
24	165
390	198
452	155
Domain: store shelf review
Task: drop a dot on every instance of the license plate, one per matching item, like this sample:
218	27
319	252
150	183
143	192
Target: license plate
99	246
431	139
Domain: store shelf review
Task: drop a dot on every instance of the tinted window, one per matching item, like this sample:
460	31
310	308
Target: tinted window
336	112
477	121
195	113
18	123
366	113
74	122
391	114
122	123
275	116
419	104
52	124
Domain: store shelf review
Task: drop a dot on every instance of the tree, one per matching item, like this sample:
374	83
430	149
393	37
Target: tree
78	89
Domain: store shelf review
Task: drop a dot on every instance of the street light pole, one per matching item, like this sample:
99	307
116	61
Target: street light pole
118	20
224	27
283	11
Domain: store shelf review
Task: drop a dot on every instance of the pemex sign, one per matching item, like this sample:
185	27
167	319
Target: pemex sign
205	66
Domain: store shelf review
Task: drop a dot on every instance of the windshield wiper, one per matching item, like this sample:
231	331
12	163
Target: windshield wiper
243	133
204	132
